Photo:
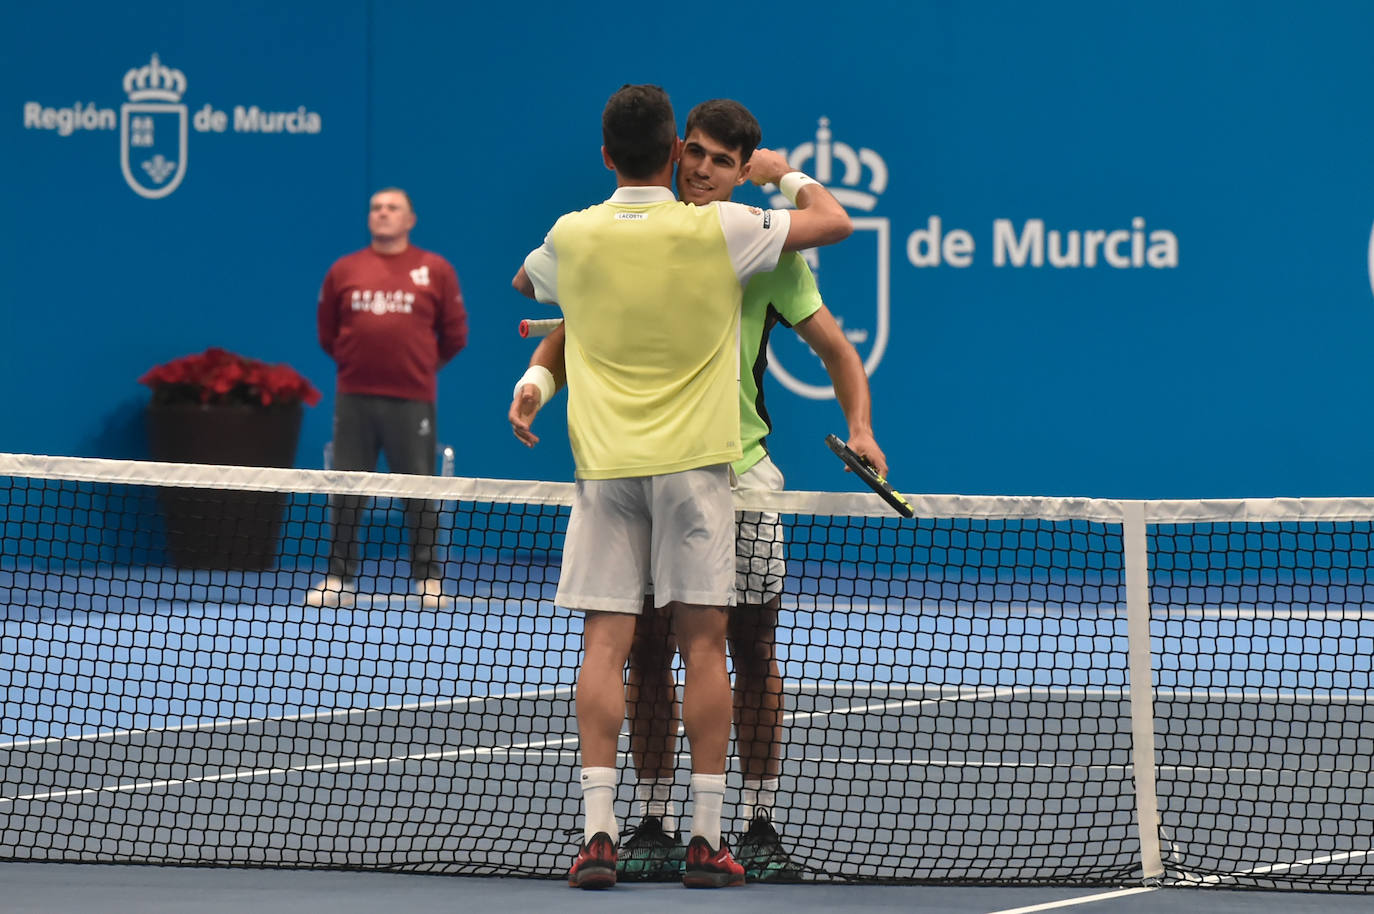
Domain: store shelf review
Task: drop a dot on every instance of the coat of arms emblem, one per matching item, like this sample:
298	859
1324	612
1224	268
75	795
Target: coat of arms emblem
153	130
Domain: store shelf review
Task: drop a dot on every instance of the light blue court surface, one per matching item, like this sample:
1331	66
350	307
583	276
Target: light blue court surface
101	649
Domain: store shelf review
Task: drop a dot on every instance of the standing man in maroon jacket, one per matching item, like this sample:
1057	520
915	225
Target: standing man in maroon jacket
390	315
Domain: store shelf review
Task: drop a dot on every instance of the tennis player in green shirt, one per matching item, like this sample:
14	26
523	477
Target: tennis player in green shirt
721	138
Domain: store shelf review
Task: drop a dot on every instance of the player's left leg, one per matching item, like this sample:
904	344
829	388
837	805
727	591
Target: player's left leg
606	552
706	694
758	704
652	850
606	638
694	573
760	571
757	698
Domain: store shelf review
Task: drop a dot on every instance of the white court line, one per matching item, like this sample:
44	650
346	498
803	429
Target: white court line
353	764
230	722
933	763
950	763
1066	611
1185	881
1121	693
945	694
827	687
433	705
249	774
1279	774
992	693
908	762
1190	879
1083	899
1071	611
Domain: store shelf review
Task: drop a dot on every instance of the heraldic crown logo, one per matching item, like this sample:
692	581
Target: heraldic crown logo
153	81
825	152
857	289
153	122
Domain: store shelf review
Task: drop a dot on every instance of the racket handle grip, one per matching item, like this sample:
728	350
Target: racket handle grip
529	328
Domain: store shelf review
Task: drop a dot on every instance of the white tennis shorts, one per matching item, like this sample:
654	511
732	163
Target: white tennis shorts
760	566
677	530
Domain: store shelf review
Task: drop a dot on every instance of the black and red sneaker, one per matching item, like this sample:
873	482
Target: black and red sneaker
594	867
707	868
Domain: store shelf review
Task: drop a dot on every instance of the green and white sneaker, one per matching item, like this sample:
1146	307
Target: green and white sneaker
649	854
761	852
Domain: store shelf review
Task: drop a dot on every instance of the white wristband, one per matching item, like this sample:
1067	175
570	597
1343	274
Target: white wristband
541	378
792	183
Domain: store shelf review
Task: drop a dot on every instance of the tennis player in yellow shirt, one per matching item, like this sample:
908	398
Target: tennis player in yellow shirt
650	292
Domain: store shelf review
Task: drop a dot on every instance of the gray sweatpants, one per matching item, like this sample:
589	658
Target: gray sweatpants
403	430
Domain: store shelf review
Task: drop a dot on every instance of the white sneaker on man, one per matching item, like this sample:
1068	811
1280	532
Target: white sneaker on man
332	591
432	594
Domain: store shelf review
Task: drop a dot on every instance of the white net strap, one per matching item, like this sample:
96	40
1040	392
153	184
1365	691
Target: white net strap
832	504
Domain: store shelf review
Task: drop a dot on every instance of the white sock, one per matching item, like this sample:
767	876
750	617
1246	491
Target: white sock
598	803
708	798
758	798
655	796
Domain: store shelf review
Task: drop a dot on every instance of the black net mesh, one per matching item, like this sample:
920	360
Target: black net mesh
1264	644
951	692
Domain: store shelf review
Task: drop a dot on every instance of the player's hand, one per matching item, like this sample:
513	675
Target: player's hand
523	409
767	167
864	445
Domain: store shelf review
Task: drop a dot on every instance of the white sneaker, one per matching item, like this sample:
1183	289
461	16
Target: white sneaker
432	594
332	591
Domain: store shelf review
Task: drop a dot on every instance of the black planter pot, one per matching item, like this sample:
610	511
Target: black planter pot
223	528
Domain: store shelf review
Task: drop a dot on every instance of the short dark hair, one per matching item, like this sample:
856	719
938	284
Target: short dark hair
727	122
638	128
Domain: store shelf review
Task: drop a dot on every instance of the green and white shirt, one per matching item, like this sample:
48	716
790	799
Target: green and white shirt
788	295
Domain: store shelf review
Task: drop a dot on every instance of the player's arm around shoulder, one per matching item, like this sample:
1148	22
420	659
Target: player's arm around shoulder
819	218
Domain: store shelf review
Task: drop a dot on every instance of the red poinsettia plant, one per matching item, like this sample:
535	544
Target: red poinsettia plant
216	376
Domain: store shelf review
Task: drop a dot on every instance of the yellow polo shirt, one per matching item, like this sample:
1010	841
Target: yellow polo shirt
650	291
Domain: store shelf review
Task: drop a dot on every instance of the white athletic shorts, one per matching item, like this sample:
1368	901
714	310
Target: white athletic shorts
677	530
760	566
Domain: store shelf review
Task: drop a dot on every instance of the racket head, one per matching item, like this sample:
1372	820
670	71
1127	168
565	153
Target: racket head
864	470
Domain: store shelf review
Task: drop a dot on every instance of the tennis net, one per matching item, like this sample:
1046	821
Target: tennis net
1002	690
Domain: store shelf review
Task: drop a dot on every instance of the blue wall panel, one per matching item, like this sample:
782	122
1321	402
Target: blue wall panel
1235	129
107	283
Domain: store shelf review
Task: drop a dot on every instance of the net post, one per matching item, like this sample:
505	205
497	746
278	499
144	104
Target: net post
1141	681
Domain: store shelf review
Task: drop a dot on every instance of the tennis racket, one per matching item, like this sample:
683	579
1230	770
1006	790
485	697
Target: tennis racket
864	470
529	328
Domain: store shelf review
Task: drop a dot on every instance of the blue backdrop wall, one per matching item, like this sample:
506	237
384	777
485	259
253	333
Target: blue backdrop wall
1100	251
